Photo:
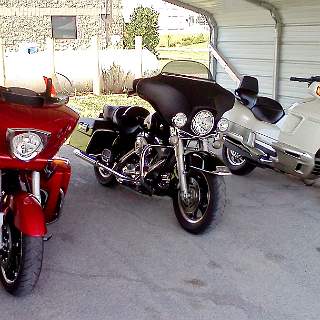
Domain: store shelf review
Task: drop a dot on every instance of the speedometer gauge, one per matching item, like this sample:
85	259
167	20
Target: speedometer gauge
202	123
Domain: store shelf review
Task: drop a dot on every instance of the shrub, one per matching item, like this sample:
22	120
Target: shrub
115	80
143	22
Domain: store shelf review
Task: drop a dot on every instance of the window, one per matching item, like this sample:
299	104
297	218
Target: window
64	27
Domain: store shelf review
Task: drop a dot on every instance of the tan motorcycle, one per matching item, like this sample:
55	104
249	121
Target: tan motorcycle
257	132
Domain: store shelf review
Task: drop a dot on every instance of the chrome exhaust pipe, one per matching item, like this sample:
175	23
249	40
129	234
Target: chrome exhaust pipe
90	159
93	161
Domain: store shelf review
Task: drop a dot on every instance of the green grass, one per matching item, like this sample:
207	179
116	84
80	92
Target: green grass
91	106
178	40
165	56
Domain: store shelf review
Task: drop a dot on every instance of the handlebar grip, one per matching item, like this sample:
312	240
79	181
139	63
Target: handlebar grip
131	93
298	79
308	80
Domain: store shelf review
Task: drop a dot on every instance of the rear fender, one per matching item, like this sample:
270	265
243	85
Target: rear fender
101	139
28	214
206	162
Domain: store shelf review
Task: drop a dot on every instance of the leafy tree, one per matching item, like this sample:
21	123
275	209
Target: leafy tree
143	22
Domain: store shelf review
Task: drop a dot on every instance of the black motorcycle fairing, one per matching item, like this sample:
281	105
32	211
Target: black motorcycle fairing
171	94
164	98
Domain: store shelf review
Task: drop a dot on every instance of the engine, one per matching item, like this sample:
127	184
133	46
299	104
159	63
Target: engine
150	158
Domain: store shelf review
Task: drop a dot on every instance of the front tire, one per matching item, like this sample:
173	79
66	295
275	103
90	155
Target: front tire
205	204
237	164
20	260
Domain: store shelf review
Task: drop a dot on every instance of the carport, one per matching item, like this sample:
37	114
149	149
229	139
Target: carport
271	40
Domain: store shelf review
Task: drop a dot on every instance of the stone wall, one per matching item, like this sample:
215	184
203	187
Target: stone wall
30	21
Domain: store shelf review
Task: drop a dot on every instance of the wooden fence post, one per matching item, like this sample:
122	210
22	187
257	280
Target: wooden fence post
139	51
50	53
2	64
96	81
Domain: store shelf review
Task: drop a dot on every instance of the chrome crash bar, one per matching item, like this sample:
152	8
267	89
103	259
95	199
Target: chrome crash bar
93	161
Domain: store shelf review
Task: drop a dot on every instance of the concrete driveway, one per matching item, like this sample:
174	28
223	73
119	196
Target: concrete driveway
119	255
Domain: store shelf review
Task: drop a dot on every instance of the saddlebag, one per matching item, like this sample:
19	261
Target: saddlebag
85	129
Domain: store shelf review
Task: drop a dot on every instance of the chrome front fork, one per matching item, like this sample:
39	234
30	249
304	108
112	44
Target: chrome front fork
36	185
177	142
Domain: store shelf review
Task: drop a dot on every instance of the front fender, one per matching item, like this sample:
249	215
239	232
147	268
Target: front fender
206	162
28	214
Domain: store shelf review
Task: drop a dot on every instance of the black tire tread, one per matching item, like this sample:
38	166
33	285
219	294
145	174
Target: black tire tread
216	207
106	182
243	170
31	264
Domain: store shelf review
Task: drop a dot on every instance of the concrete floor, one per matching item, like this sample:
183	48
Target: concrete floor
119	255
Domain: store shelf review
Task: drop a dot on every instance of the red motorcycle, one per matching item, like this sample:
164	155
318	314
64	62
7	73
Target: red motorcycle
33	182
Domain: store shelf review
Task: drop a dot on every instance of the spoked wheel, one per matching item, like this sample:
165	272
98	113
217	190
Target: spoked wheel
236	162
204	203
20	260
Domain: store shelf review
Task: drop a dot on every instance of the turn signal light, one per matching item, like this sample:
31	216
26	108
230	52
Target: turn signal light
318	91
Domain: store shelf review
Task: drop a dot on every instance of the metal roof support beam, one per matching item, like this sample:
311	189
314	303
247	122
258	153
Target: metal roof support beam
214	52
275	14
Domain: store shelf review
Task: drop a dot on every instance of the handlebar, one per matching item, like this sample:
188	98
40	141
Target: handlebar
131	93
307	80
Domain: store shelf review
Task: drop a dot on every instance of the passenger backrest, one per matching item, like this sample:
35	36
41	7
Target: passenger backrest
248	90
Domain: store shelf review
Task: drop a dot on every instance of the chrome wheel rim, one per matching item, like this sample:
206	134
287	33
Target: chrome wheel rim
194	207
11	254
235	158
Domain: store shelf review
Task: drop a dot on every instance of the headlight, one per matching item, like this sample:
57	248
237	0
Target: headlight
202	123
179	120
26	144
223	125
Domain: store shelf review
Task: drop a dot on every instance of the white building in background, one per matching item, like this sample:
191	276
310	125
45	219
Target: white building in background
172	19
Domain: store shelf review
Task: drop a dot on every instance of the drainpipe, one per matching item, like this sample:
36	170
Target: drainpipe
275	14
230	70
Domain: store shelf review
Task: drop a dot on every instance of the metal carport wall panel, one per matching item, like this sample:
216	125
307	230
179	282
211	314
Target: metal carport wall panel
246	38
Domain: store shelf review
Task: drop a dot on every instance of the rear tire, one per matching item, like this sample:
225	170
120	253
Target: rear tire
210	202
104	178
21	261
237	164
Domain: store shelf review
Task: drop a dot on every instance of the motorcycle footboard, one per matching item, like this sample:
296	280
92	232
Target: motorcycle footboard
205	162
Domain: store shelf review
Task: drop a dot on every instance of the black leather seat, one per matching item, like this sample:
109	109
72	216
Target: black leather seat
263	108
113	113
125	115
268	110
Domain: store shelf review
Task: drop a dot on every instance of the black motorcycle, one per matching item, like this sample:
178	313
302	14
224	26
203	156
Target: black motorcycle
164	152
